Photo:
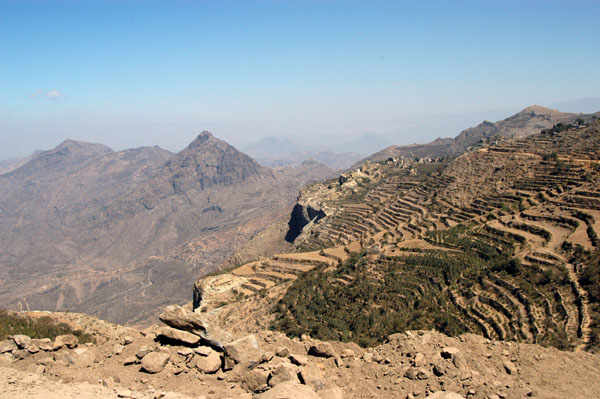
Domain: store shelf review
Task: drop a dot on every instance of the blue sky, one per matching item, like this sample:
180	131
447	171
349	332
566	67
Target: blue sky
129	73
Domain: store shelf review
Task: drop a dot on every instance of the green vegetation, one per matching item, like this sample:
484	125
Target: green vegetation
553	156
376	303
43	327
590	281
366	299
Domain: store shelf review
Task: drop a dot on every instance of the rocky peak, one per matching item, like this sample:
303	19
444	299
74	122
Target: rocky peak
201	139
210	161
83	147
538	109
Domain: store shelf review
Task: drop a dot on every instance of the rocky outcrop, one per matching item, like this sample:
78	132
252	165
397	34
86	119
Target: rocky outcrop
302	214
180	318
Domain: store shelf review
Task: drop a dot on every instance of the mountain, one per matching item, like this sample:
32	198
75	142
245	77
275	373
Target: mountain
501	241
529	121
117	234
9	165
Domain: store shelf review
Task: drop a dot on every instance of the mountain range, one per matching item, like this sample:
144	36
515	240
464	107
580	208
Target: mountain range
83	227
529	121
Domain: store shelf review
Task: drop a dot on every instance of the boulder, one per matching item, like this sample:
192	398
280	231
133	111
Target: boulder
299	360
46	346
68	340
20	354
322	349
64	357
180	336
203	350
411	373
22	341
215	337
449	352
255	380
155	362
312	377
267	357
118	349
509	367
284	372
7	346
423	374
126	340
209	364
282	351
84	357
439	369
143	351
131	360
460	362
289	390
182	319
243	350
186	352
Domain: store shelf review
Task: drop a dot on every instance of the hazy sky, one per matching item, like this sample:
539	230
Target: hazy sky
128	73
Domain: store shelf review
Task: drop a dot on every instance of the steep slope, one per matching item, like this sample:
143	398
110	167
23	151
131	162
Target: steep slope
8	165
503	240
119	233
531	120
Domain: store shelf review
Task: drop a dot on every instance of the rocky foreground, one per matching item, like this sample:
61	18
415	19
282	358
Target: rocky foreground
189	359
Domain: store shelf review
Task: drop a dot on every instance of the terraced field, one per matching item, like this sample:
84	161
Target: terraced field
493	242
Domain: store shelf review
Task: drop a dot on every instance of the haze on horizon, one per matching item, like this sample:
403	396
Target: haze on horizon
135	73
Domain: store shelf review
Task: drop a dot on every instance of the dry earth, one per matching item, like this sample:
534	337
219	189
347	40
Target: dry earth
411	364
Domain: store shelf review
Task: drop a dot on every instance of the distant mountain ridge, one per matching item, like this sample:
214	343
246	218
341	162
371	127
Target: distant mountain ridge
530	120
85	228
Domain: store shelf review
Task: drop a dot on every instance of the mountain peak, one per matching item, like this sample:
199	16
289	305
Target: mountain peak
82	148
202	139
210	161
538	109
67	154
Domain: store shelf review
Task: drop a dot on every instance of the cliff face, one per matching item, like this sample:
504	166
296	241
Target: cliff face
302	214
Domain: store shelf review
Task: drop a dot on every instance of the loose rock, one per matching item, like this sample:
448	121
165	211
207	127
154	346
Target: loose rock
22	341
7	346
243	350
155	362
209	364
184	337
322	349
68	340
